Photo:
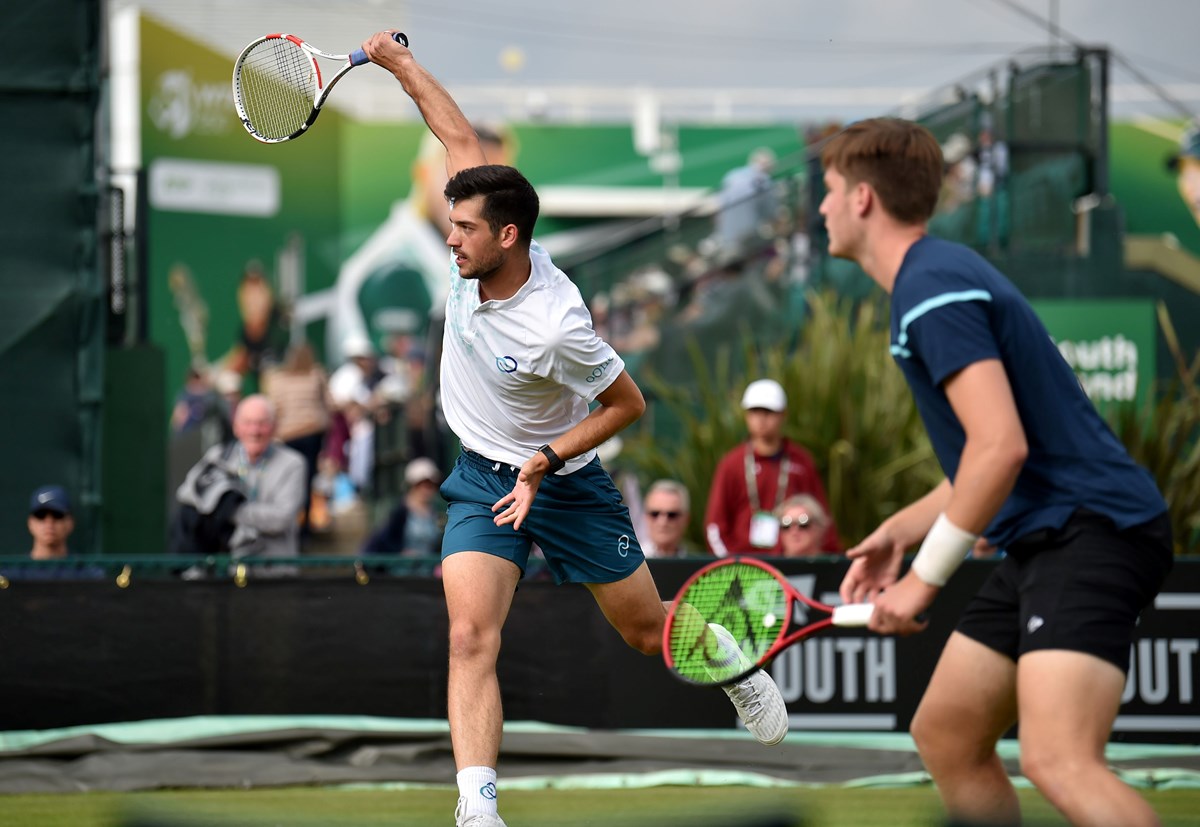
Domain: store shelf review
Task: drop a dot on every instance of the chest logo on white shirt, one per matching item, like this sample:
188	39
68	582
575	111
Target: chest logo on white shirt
507	364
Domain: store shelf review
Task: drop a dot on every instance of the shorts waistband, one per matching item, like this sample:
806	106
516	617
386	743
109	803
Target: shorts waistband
482	463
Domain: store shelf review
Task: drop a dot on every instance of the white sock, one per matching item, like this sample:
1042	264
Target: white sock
478	786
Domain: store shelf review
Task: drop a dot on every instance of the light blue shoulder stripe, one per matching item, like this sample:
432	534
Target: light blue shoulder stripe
932	303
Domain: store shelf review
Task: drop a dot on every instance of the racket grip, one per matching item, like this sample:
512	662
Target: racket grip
853	614
358	57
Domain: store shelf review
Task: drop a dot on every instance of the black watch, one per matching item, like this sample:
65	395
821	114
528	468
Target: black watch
556	464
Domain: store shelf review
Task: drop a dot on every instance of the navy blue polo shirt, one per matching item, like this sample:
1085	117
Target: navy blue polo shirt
952	308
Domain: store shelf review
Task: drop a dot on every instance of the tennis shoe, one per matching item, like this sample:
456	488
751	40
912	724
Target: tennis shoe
757	699
461	819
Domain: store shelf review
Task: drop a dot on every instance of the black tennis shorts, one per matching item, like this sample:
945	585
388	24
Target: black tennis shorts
1080	587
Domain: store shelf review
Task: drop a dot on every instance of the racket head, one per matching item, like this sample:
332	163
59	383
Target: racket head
750	599
276	81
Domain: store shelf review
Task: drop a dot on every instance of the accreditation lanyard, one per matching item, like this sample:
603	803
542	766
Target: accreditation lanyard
251	472
785	468
764	528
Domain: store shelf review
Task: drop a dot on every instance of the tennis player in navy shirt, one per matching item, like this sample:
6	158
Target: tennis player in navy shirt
1030	465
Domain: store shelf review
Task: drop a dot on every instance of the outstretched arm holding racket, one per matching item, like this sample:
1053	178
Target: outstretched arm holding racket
521	367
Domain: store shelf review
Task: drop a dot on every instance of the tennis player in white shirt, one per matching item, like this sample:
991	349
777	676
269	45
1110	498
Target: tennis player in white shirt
521	364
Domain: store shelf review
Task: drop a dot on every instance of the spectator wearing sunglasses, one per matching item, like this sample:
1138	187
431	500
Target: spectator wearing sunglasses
667	510
50	524
803	523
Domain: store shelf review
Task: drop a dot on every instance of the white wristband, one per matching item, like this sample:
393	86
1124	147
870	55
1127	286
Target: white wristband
945	547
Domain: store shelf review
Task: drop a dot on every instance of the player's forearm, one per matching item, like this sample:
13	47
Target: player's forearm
913	522
601	425
621	404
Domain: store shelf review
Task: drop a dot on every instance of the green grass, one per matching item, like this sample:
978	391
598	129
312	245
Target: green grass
654	807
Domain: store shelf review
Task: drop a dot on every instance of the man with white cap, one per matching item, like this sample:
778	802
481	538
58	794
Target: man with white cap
413	528
754	477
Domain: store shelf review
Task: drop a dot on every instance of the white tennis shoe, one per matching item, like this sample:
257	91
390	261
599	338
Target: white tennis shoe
757	699
461	819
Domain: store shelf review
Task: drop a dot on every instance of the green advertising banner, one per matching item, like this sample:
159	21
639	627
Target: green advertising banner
226	214
1111	345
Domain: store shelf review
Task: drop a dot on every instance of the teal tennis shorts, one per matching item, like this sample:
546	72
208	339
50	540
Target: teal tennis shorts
579	521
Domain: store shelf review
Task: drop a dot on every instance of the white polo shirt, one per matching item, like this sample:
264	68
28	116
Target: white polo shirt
518	373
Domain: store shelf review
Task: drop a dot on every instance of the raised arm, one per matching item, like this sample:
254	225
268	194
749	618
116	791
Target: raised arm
442	115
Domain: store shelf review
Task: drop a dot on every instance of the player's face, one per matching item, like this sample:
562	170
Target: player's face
836	209
477	250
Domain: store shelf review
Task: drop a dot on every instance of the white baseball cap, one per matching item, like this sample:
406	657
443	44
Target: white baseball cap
357	345
765	393
420	470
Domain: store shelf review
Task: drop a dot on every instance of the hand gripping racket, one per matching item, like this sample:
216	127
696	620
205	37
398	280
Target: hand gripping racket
759	609
277	85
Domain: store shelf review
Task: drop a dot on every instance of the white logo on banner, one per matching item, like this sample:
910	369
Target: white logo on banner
180	106
180	185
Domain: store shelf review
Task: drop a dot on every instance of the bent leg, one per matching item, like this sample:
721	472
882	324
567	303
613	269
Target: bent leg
969	704
1068	702
634	609
479	591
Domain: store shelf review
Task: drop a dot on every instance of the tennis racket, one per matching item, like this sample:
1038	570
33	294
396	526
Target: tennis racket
761	611
278	88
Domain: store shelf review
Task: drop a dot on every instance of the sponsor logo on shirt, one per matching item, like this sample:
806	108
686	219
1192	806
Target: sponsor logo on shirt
599	370
507	364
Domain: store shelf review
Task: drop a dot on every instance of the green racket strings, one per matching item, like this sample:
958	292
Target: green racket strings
744	599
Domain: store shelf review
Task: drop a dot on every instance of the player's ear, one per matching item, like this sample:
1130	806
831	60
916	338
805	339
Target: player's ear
863	199
509	236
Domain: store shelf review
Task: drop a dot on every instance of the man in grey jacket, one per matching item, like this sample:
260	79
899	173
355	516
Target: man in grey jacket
270	475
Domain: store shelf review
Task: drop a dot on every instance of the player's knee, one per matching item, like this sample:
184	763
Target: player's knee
470	640
1049	768
648	641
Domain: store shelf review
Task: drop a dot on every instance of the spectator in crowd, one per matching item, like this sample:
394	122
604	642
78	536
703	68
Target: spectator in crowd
262	336
747	203
299	391
50	523
352	392
195	402
803	522
667	509
754	477
265	483
1185	165
413	528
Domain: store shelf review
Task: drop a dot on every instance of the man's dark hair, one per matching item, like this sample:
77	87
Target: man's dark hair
508	198
901	160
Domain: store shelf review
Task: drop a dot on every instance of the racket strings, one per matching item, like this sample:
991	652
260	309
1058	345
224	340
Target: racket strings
276	87
746	601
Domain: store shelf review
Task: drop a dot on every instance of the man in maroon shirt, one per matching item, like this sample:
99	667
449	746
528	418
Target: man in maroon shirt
756	476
